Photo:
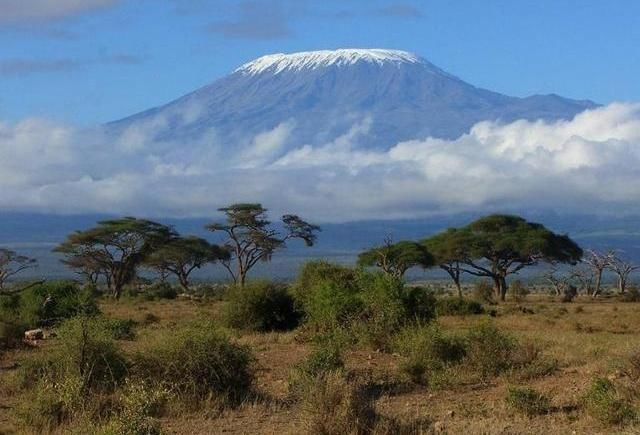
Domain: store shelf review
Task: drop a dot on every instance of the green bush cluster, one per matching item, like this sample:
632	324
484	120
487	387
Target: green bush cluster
196	362
373	305
528	401
454	306
606	403
261	306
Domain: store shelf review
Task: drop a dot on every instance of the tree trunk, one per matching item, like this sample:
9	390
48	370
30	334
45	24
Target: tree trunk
596	290
458	287
184	282
503	288
497	290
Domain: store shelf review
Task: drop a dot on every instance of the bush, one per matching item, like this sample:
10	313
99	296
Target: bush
518	290
326	358
420	303
631	295
528	401
483	292
606	404
11	333
52	302
137	408
160	290
371	305
197	362
121	329
261	306
427	350
489	350
332	405
454	306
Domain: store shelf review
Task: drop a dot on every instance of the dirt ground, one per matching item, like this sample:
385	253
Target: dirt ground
587	337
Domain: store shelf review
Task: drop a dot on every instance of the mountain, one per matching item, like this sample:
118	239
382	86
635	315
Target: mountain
321	95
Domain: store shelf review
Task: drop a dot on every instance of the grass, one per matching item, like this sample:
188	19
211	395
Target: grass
551	357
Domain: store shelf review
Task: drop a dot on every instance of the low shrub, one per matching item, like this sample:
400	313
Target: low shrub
605	403
11	333
51	302
121	329
420	303
528	401
631	295
197	361
455	306
333	405
137	409
326	358
160	290
489	350
261	306
426	350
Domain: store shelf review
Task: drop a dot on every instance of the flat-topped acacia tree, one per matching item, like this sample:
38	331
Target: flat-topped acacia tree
501	245
449	249
114	249
11	264
396	258
182	255
251	237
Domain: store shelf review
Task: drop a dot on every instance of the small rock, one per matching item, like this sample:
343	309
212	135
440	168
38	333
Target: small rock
34	334
438	427
450	413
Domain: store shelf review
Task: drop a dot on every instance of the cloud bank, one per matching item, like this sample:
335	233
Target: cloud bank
589	164
21	11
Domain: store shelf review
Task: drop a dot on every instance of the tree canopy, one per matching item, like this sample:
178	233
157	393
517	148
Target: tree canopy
182	255
396	258
251	237
114	249
496	246
11	264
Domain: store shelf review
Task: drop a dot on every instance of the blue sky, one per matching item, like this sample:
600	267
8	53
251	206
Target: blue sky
93	61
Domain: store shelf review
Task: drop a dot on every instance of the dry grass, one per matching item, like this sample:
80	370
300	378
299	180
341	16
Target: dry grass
594	340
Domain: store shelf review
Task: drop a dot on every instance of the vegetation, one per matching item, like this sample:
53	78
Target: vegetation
396	258
251	237
340	350
11	264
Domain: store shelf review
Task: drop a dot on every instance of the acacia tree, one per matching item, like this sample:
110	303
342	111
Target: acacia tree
449	249
396	258
182	255
11	264
623	270
114	248
497	246
598	262
250	237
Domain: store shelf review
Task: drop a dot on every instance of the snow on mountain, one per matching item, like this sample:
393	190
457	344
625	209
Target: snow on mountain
276	63
375	97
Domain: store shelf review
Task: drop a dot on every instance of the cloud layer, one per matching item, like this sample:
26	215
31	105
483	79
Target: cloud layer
589	164
20	11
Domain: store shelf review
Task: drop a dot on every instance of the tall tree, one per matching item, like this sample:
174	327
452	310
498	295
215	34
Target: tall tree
450	249
500	245
11	264
396	258
251	238
114	248
598	262
182	255
623	270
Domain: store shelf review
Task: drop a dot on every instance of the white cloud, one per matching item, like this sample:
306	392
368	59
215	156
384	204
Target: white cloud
18	11
589	164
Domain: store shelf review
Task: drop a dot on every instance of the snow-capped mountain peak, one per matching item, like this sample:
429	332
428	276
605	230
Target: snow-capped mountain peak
276	63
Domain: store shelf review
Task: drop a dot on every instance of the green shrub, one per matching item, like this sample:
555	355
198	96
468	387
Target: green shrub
333	405
528	401
455	306
197	361
138	406
122	329
11	333
53	302
605	403
426	350
261	306
631	295
420	303
160	290
489	350
326	358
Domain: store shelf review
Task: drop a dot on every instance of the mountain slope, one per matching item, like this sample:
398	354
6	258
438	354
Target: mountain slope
322	94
